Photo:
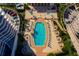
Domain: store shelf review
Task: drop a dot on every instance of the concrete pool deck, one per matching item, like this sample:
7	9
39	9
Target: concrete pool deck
38	48
44	50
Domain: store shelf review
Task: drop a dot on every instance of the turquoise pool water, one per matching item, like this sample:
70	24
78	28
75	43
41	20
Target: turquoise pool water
39	34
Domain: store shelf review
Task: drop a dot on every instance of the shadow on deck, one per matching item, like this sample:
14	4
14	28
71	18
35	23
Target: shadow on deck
23	49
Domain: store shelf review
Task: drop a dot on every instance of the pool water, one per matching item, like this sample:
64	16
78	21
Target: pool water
39	34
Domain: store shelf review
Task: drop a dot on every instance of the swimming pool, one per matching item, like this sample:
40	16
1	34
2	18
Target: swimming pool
39	34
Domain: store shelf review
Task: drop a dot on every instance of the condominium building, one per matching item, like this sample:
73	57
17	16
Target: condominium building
8	33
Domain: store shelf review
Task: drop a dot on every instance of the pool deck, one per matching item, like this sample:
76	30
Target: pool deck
44	50
39	49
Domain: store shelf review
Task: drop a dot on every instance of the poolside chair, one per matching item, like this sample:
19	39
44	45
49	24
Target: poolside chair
49	45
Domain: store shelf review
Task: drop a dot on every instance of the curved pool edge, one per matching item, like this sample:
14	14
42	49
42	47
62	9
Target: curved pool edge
45	34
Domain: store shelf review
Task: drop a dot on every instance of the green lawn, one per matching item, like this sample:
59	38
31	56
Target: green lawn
61	10
8	7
